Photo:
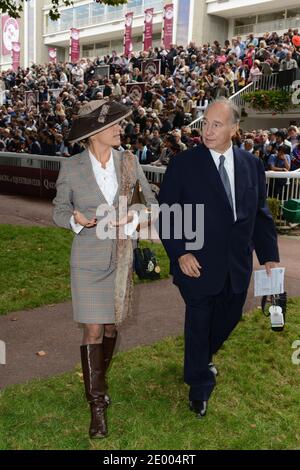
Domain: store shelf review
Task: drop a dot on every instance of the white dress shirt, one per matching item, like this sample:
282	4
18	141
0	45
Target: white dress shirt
106	177
107	181
229	166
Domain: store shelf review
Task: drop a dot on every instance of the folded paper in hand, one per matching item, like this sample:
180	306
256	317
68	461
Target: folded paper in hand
269	285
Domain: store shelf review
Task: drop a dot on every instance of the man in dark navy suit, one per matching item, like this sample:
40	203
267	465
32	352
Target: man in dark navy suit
213	276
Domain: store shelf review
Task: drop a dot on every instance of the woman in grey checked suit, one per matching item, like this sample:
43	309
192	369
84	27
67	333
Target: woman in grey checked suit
101	268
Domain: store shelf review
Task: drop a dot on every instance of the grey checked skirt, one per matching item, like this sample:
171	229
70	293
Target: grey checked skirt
93	296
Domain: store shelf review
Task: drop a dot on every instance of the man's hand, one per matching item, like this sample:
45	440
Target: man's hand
270	265
189	265
82	220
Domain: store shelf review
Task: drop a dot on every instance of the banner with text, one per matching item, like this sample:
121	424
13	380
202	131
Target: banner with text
15	55
52	54
148	28
74	46
10	33
168	25
128	34
37	182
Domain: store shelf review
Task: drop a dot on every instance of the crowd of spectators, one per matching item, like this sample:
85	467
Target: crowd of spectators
279	149
189	80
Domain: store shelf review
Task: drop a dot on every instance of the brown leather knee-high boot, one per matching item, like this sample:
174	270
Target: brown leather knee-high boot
109	344
93	368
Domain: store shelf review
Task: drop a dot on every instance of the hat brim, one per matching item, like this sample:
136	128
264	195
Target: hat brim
95	118
96	131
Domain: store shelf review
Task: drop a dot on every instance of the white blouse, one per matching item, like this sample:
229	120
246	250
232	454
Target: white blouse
106	179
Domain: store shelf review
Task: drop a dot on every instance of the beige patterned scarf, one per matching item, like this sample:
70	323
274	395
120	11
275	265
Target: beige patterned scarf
124	260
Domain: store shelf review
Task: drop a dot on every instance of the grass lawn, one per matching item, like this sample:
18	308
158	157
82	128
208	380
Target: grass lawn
34	266
254	406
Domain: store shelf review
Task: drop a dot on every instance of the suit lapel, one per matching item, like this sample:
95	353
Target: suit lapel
88	175
240	179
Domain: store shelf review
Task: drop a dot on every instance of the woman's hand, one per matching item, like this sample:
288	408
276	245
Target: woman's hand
82	220
125	220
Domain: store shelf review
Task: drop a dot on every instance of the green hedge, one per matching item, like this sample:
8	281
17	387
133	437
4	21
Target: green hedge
274	206
276	101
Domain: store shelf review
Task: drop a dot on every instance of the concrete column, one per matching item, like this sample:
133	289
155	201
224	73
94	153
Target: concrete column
208	27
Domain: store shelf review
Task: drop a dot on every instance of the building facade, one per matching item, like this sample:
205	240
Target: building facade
102	26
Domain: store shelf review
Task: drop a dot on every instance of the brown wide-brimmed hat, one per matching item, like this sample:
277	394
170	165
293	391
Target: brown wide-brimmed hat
96	116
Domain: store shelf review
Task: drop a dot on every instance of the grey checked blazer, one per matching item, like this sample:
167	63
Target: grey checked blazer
77	189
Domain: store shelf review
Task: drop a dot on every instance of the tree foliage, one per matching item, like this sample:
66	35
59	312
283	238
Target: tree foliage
14	9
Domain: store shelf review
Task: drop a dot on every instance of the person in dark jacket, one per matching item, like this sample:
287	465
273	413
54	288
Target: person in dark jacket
144	154
179	117
220	195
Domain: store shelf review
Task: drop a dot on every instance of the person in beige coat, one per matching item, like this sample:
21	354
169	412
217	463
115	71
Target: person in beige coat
89	186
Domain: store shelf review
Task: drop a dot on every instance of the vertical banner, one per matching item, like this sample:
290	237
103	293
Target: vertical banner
52	54
74	46
15	55
168	25
10	32
128	34
148	28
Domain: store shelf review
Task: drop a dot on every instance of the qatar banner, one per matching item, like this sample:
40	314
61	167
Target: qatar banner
168	25
128	47
74	45
15	55
10	33
37	182
52	54
148	28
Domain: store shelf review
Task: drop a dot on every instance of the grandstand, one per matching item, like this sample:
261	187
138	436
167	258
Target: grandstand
39	103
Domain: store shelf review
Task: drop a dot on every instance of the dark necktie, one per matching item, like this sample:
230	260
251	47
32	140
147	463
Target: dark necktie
225	180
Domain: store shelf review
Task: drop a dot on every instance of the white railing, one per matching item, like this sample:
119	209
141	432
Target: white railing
154	174
289	189
29	160
268	82
283	186
237	99
108	16
275	25
197	124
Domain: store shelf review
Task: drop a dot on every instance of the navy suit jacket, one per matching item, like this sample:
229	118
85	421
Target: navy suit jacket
193	178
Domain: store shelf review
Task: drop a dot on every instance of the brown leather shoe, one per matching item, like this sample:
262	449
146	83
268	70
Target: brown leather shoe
108	350
92	361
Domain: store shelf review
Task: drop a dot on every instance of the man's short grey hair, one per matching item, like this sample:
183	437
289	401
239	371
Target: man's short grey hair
249	142
234	110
